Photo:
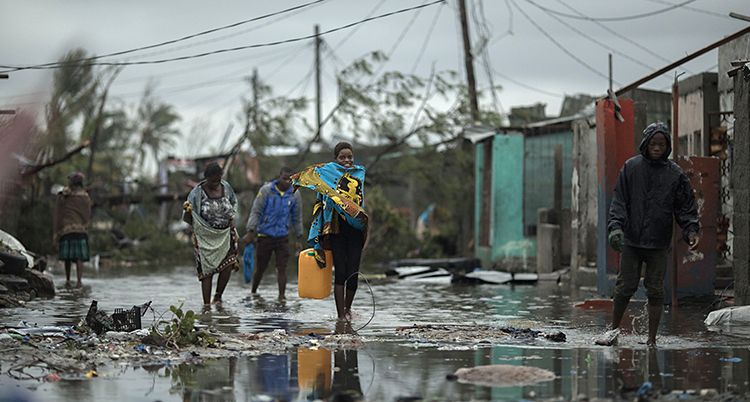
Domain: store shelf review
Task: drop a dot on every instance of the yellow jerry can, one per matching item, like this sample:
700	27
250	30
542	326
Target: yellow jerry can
314	282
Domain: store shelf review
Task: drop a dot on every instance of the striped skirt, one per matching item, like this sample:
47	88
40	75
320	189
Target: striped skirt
73	247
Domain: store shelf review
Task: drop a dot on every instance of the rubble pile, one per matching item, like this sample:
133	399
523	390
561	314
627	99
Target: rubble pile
473	334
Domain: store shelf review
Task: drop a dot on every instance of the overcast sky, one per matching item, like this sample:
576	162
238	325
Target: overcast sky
536	50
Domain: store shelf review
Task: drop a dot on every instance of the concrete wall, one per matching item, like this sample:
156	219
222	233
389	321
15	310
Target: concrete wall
658	106
583	194
698	96
738	49
741	189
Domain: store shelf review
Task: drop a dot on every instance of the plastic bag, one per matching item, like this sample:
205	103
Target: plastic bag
738	315
248	261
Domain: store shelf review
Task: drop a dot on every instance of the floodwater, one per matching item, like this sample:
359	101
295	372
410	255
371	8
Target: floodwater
689	357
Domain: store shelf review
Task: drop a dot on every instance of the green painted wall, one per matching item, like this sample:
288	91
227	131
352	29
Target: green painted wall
506	220
507	196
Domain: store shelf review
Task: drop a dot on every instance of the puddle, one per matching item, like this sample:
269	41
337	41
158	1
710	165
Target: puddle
390	366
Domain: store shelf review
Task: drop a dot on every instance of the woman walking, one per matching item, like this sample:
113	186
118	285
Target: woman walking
210	210
70	225
339	221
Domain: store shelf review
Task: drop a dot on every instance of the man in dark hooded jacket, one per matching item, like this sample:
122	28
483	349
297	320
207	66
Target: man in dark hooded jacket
650	190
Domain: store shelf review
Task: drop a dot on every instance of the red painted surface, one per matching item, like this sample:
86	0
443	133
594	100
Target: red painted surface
614	143
696	270
595	304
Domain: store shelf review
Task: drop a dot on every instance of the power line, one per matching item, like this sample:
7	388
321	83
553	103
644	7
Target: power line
57	65
350	34
631	17
613	32
697	10
509	31
604	45
529	87
560	46
169	42
426	40
286	15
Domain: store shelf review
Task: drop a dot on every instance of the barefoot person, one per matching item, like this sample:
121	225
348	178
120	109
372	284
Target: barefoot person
210	210
650	191
339	221
71	223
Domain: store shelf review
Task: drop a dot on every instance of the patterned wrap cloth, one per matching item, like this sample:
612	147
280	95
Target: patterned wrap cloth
215	248
340	191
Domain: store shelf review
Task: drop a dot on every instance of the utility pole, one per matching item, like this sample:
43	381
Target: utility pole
469	60
255	99
6	111
317	81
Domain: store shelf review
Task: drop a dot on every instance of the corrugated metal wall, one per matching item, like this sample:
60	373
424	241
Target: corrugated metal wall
539	170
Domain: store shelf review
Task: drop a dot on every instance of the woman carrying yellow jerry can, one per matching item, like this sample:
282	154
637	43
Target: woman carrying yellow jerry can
338	230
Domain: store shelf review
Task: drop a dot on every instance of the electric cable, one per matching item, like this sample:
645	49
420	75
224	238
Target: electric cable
630	17
604	45
172	73
481	23
353	31
228	36
613	32
509	31
697	10
529	87
426	40
180	39
223	79
356	331
225	50
560	46
400	38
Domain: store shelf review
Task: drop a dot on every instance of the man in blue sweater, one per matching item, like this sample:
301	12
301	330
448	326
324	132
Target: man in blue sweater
275	209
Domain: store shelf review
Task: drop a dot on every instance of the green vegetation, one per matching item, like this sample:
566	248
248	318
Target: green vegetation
420	160
181	329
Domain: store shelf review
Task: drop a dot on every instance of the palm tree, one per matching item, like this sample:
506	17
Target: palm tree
155	125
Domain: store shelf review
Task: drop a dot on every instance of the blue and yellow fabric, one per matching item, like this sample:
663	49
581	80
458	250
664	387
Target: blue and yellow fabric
340	192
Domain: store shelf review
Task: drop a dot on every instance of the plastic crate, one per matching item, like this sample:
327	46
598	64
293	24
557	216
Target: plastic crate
127	320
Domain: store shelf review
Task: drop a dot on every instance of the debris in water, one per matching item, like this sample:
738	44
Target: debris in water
502	375
609	338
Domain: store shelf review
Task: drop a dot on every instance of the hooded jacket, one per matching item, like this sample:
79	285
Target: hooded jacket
273	213
648	194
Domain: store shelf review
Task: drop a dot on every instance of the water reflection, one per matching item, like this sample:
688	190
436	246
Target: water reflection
211	380
388	368
318	380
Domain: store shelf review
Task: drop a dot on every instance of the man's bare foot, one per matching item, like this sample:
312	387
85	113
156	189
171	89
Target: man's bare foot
651	343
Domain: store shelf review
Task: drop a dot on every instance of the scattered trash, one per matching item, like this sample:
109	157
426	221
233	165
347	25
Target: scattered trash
121	320
609	338
645	387
732	359
729	316
502	375
52	377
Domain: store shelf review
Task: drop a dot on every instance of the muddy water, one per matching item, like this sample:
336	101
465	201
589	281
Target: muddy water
388	367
